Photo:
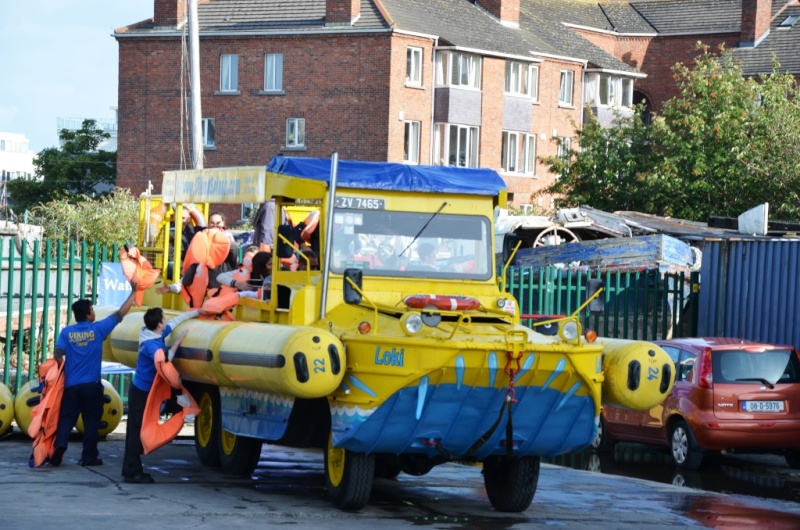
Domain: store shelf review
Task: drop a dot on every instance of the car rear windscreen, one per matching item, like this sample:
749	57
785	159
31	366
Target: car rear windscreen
768	366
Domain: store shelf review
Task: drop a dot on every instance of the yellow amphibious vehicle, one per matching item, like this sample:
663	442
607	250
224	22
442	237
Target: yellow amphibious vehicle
400	352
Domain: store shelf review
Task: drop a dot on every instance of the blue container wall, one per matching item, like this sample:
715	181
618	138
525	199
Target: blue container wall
750	289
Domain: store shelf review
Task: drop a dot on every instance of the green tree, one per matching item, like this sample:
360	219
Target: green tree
609	170
111	219
67	172
726	143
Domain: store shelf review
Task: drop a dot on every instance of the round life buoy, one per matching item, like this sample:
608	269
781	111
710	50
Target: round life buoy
452	303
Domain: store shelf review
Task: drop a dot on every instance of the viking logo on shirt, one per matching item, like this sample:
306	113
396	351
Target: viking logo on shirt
81	338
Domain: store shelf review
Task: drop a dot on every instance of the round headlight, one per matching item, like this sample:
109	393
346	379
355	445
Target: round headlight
570	330
411	323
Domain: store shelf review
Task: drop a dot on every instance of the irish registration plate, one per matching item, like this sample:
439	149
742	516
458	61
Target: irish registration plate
763	406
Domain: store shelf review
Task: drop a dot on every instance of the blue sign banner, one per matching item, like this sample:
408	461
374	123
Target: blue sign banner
113	287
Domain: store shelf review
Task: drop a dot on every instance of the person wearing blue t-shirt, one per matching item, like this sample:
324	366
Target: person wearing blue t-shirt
80	346
151	340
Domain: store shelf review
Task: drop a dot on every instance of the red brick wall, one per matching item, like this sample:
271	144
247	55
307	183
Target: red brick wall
656	57
415	103
338	84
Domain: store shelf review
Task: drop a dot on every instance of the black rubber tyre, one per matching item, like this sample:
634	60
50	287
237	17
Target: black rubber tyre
792	457
207	425
238	455
603	442
684	451
511	484
349	477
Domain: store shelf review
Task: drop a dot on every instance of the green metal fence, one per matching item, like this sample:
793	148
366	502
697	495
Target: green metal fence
38	284
644	305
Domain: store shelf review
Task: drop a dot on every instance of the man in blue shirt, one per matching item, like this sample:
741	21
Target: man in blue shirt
82	344
151	339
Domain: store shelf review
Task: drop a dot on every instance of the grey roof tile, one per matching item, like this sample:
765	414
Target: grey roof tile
691	16
785	43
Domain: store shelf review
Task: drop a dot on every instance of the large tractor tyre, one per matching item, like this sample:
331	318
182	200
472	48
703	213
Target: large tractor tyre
684	451
238	455
6	410
112	411
349	477
208	425
603	442
511	483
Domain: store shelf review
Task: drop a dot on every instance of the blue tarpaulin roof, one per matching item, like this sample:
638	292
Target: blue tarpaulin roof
393	176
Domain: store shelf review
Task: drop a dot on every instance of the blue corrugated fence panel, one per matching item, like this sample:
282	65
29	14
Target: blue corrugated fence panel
749	289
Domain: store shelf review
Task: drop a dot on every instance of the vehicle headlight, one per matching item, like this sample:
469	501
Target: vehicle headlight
570	330
411	323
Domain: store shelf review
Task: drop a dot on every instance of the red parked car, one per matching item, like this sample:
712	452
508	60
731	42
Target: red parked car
729	395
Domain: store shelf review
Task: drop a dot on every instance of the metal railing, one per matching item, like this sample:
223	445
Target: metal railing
38	284
644	305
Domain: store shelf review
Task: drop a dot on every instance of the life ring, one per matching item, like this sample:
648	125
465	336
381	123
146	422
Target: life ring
451	303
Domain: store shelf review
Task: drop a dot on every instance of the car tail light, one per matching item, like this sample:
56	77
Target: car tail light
705	377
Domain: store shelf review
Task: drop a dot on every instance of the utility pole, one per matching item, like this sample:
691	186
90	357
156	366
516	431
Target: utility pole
194	81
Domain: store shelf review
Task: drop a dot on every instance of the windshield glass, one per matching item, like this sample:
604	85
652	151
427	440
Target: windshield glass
738	366
409	244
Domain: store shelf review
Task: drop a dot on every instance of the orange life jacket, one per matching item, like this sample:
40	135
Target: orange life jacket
44	416
226	297
156	433
134	265
207	251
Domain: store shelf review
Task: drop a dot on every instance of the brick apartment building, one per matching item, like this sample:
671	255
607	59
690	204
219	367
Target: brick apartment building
479	83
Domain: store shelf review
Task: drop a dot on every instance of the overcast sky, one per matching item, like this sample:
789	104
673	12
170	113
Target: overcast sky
59	60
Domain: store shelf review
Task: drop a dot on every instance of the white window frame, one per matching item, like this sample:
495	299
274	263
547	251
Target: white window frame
605	90
626	92
411	142
229	72
273	72
519	80
209	132
519	153
566	87
466	142
414	66
465	67
533	76
295	132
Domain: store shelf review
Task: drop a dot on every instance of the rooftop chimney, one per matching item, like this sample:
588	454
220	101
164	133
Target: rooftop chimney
169	13
342	12
505	10
756	15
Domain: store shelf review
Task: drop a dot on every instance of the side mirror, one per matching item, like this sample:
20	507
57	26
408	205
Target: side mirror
597	305
284	249
352	295
510	241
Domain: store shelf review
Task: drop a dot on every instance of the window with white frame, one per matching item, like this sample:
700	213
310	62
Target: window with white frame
519	153
229	73
208	132
273	72
522	79
564	144
604	90
295	132
565	92
533	81
455	145
458	69
411	142
414	66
